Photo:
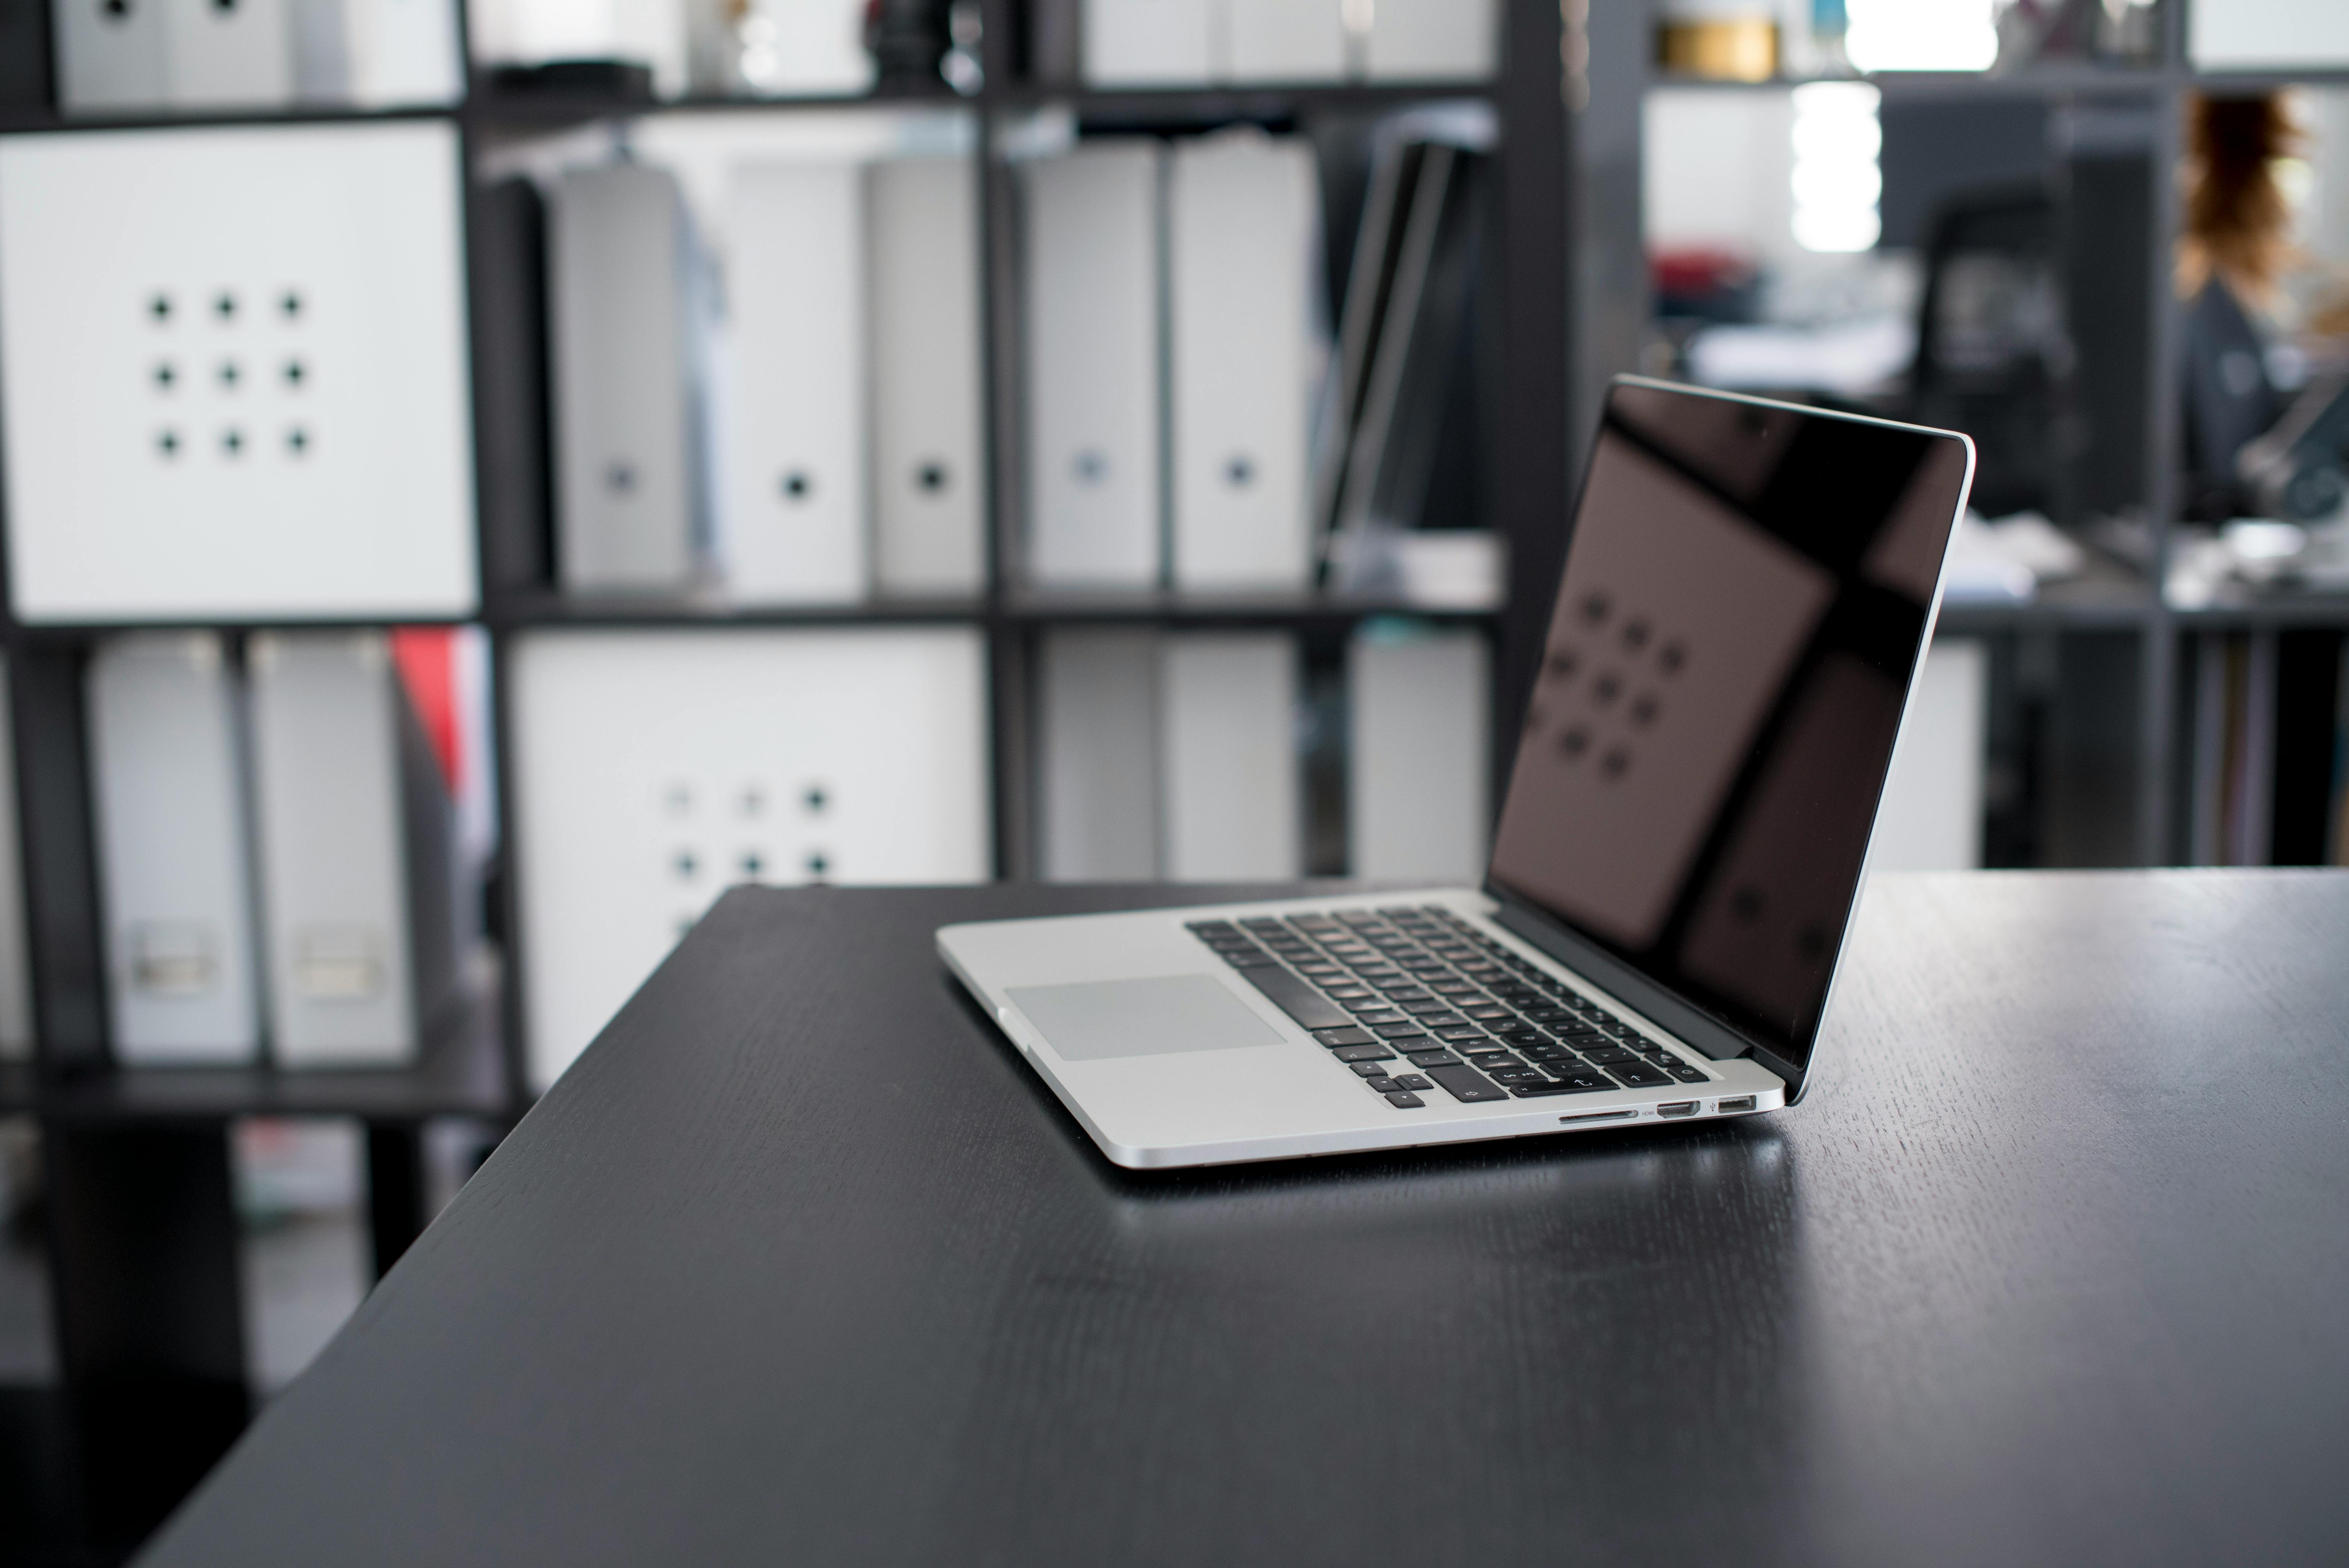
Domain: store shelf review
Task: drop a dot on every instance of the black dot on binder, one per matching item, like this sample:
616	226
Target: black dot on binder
684	865
224	7
815	798
233	441
751	864
1670	657
224	307
168	443
229	373
295	374
1606	689
754	801
165	376
1091	467
817	864
115	10
159	307
620	479
297	441
797	486
1615	764
1240	473
1635	635
1595	608
1563	663
1574	742
290	303
931	477
1644	709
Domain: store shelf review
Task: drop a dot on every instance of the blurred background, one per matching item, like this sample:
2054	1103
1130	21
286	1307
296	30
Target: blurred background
482	479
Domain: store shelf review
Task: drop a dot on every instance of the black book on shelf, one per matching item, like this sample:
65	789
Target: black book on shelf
510	386
622	81
2308	706
24	55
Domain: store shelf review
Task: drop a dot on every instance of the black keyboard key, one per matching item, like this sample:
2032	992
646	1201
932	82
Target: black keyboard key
1573	1083
1383	1085
1346	995
1432	1058
1295	997
1336	1038
1433	1014
1607	1056
1684	1073
1363	1054
1549	1015
1261	922
1466	1085
1412	1081
1510	1078
1212	928
1545	1053
1410	994
1254	961
1377	1015
1405	1031
1485	1012
1637	1074
1371	1069
1403	1099
1488	1060
1457	1032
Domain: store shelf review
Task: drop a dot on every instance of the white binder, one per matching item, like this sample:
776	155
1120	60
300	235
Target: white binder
1144	43
1093	373
1287	40
1433	41
167	777
238	56
1419	754
1232	785
1242	225
1100	771
928	476
1930	818
376	54
236	383
110	55
795	525
653	769
2271	35
335	890
15	964
819	46
621	345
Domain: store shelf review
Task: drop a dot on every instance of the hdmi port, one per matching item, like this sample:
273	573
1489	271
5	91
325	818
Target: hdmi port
1743	1102
1678	1107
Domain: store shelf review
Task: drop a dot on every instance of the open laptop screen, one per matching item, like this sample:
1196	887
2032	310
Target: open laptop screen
1744	602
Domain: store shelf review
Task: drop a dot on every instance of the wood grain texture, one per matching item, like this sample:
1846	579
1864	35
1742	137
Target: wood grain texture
801	1263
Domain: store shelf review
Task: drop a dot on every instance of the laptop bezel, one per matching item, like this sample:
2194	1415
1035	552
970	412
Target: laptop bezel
1717	1038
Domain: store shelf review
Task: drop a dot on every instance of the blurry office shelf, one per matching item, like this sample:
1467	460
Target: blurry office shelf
2236	609
2105	596
463	1071
556	109
19	120
19	1088
1162	606
549	607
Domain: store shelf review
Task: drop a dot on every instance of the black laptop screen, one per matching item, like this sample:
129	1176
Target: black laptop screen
1743	604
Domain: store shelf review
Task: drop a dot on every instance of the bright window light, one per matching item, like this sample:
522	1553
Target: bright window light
1921	34
1836	179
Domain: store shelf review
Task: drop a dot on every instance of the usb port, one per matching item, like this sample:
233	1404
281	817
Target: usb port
1743	1102
1678	1107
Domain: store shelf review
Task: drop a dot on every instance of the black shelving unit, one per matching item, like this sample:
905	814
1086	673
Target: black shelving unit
141	1227
2120	213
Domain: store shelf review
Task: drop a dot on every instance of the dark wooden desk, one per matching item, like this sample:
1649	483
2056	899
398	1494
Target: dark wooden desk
801	1264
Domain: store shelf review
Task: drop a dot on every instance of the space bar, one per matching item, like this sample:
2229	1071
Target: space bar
1295	998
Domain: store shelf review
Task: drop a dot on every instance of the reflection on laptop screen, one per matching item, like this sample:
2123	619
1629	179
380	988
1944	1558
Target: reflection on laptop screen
1745	601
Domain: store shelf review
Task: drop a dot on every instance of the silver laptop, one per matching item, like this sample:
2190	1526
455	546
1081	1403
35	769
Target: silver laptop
1748	591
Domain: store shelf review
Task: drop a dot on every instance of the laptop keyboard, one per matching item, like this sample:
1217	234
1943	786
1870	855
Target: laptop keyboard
1415	998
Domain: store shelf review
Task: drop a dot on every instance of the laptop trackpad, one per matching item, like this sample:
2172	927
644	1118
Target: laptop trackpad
1103	1019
